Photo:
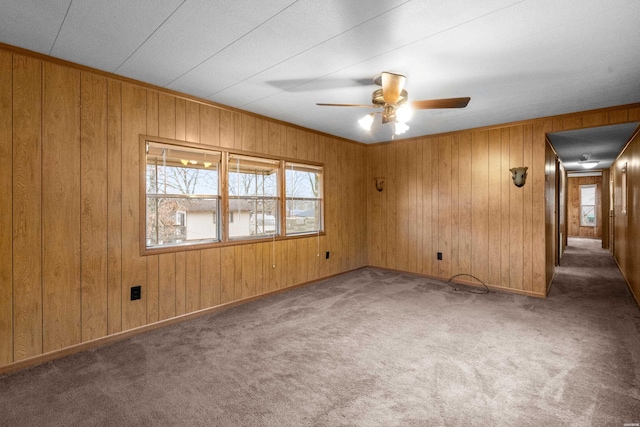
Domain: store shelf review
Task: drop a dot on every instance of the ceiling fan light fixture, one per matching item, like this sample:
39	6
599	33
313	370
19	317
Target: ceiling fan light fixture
404	113
400	128
366	122
393	99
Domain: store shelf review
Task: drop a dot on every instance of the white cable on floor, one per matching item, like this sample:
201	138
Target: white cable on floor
486	288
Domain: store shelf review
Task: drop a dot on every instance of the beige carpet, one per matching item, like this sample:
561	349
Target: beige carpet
369	348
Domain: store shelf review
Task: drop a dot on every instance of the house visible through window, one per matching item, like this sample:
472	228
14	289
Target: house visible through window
182	196
588	205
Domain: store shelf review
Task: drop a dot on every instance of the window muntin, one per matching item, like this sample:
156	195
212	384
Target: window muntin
182	195
253	197
588	205
303	187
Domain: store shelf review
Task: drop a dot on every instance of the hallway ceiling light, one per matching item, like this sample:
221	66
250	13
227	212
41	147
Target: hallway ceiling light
586	163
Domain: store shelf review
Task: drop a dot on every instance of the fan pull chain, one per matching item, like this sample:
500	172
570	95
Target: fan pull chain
273	251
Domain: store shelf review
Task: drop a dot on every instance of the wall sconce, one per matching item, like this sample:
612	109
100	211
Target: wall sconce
519	175
379	183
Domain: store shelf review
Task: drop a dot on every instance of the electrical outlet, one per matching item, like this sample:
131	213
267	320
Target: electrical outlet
136	292
326	255
439	256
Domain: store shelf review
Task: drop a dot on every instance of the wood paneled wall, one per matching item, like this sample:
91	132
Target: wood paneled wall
606	208
453	193
69	170
627	225
573	207
69	210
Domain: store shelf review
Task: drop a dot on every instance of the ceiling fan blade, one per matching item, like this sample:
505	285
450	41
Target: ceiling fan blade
346	105
392	85
440	103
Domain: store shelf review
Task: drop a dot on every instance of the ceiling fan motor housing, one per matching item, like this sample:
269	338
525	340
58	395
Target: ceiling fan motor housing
378	99
389	113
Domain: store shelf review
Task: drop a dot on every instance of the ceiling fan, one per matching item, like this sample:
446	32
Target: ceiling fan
394	101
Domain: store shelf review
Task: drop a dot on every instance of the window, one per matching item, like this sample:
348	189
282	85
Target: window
182	195
588	205
181	219
253	196
205	196
303	198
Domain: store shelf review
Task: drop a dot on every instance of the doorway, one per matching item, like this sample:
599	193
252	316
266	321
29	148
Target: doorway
583	184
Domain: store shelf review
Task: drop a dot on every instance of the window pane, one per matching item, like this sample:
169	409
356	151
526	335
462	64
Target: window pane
303	216
178	220
182	186
182	180
253	197
182	171
252	217
587	195
588	205
588	217
302	182
253	176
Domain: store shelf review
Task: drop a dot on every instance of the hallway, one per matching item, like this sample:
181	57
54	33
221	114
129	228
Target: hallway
593	297
588	272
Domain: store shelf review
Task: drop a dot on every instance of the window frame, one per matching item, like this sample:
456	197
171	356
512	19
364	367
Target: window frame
262	162
299	166
223	217
594	205
144	248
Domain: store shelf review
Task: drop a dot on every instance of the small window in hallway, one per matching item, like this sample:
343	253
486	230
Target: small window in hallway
588	205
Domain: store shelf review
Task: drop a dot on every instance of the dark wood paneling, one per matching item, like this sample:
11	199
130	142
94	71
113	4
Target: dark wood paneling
114	209
605	208
94	206
134	267
27	208
6	214
626	224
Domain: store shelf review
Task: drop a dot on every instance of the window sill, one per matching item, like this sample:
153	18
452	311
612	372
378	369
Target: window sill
145	251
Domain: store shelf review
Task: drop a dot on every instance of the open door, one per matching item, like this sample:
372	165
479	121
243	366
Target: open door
611	212
562	210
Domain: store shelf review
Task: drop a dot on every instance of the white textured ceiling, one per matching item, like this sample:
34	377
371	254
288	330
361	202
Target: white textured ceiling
515	59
